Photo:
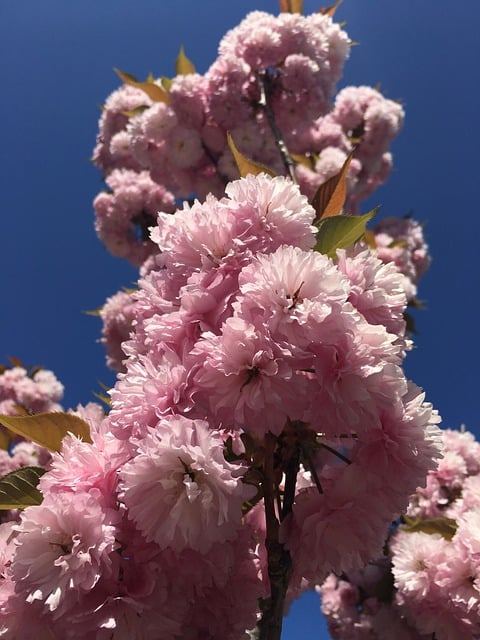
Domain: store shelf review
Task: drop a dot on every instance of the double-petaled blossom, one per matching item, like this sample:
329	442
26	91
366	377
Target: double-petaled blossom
271	87
426	581
64	546
180	490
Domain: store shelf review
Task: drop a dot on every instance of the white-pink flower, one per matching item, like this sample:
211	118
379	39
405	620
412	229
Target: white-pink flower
180	490
64	547
246	379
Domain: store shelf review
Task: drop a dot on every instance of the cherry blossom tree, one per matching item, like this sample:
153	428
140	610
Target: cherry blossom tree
262	436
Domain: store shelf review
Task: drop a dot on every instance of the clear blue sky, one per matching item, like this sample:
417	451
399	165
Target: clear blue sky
56	60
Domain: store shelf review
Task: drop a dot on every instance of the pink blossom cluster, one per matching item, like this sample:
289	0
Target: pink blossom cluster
271	88
361	120
33	391
25	391
125	212
427	584
401	241
79	565
242	333
117	315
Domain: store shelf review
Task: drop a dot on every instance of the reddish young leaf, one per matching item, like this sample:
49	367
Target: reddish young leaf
331	195
16	362
330	11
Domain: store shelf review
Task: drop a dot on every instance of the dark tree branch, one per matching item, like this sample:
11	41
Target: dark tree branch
279	560
264	103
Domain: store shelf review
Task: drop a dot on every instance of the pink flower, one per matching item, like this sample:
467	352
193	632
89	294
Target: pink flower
82	467
152	387
124	215
64	548
416	557
117	315
113	122
377	289
180	490
246	379
339	529
271	212
289	291
401	241
37	392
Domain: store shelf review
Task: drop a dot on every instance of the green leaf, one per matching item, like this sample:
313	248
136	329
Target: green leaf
18	489
244	164
48	429
304	159
183	66
93	312
340	232
446	527
166	83
103	398
331	195
153	91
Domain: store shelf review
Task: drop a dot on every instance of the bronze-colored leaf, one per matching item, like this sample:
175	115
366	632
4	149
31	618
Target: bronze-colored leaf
18	489
104	386
153	90
291	6
331	195
21	411
16	362
5	439
183	66
370	239
48	429
244	164
340	232
410	323
330	11
34	370
417	304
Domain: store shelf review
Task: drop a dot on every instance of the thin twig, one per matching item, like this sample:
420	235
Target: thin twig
264	103
335	453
